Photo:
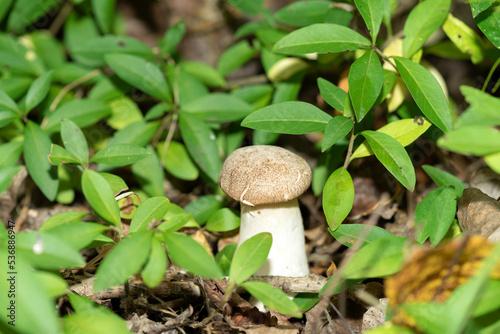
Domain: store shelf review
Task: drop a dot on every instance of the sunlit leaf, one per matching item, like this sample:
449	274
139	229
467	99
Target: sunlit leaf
474	140
274	299
393	156
338	197
293	117
434	214
422	21
426	92
372	13
100	197
201	145
123	260
249	257
37	147
321	38
152	208
405	131
190	255
366	79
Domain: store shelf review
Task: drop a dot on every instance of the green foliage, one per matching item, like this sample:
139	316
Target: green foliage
71	117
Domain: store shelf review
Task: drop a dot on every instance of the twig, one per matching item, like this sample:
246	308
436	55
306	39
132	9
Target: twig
349	149
72	85
341	317
61	18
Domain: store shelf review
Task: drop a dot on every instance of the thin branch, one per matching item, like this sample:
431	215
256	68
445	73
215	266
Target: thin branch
349	149
72	85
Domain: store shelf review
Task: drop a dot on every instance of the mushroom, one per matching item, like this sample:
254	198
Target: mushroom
267	180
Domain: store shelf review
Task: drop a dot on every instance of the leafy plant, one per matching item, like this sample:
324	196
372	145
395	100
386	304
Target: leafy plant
71	117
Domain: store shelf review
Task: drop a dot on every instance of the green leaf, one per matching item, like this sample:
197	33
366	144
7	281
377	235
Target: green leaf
443	179
303	13
426	92
483	104
138	133
201	145
464	38
83	112
422	21
58	156
405	131
434	215
249	7
493	161
149	174
152	208
380	258
274	299
178	162
140	73
223	220
78	323
4	8
45	251
120	154
479	6
63	218
225	256
293	117
104	11
218	107
332	94
372	13
10	153
321	38
28	289
208	75
190	255
6	176
7	103
25	12
78	235
154	270
100	197
115	182
203	207
348	234
49	48
36	149
175	219
366	79
54	284
96	49
489	23
74	141
338	197
474	140
38	90
249	257
124	111
124	260
234	57
393	156
173	36
188	87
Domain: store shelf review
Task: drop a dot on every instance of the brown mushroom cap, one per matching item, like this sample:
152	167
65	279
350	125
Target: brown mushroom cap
264	174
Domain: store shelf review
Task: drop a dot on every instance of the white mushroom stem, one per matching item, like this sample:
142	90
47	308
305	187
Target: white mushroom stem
287	256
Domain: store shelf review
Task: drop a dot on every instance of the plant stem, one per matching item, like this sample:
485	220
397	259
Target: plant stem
349	149
72	85
493	68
